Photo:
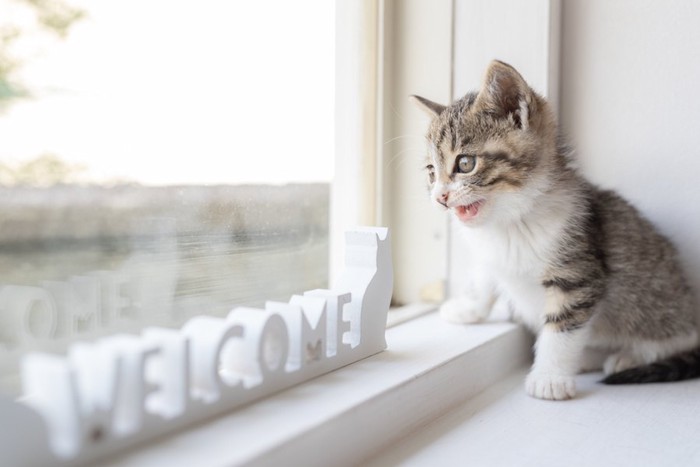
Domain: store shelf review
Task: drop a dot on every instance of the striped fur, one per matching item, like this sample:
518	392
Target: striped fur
579	265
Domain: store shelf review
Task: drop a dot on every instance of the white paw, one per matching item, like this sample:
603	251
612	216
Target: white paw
462	310
619	362
549	386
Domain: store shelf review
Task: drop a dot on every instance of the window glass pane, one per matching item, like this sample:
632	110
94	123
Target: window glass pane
158	160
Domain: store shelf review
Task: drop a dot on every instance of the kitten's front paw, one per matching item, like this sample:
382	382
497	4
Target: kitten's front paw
463	310
551	387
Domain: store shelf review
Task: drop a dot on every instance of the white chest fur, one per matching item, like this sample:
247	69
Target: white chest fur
514	257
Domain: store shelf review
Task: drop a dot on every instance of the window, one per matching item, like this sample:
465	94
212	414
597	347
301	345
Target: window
182	242
158	162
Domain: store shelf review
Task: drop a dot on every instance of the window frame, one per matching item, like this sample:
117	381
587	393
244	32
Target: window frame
380	51
375	69
419	49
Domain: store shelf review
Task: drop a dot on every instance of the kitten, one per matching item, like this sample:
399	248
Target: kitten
579	265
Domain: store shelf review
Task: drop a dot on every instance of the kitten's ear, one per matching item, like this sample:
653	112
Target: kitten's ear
433	108
505	92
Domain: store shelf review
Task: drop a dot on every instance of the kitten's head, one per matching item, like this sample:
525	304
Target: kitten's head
491	153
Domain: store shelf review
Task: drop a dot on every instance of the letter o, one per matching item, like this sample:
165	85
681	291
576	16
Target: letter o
21	304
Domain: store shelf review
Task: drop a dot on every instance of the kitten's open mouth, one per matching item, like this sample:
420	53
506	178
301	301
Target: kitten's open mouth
469	211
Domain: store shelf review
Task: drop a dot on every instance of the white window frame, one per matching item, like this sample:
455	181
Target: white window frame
382	58
347	416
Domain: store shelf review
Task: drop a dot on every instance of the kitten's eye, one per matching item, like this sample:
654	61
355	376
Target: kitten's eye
431	173
465	164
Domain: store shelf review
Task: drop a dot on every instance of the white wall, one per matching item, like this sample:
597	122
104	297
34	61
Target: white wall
630	102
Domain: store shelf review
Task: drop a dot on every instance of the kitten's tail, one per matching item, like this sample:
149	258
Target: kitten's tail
678	367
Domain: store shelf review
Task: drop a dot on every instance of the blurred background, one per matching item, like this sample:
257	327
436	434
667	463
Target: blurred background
157	161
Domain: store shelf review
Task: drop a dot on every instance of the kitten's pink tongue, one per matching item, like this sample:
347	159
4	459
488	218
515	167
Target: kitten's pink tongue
465	213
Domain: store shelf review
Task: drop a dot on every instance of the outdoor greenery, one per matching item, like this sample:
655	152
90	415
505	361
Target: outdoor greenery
52	17
44	171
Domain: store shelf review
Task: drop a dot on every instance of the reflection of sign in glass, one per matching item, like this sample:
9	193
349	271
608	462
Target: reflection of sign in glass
146	282
125	388
65	308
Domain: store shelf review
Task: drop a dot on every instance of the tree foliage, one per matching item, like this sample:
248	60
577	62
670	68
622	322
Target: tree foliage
53	17
44	171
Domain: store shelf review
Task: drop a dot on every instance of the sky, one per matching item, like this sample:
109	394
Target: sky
186	92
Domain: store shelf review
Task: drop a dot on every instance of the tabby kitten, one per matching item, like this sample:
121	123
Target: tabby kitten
579	265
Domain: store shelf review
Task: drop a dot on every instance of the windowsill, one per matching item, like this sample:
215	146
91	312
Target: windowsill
352	413
640	425
401	314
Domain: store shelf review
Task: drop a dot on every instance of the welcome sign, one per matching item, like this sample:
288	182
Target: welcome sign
122	390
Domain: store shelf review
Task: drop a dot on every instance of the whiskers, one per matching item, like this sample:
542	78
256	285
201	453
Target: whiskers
396	138
396	161
464	196
401	145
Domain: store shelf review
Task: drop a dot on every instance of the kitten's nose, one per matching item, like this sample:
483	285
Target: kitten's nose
442	198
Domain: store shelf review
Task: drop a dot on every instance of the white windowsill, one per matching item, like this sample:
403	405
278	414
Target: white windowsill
629	425
405	313
351	414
